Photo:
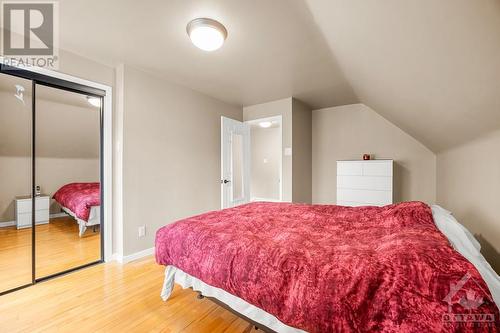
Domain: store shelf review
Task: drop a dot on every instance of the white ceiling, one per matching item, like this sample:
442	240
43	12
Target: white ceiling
429	66
273	49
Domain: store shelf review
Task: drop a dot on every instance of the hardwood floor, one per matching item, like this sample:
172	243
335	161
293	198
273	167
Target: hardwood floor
58	248
113	298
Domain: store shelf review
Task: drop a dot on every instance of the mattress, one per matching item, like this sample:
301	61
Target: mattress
460	241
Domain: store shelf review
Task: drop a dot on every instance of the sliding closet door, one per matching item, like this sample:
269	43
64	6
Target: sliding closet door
15	182
67	164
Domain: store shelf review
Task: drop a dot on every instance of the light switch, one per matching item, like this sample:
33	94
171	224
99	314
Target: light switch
142	231
288	151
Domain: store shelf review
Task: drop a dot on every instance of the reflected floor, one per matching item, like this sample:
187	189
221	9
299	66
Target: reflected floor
58	248
15	257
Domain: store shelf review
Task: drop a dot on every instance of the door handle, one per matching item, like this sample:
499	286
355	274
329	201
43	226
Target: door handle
225	181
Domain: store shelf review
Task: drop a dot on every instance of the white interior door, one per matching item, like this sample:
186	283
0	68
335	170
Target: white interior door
235	172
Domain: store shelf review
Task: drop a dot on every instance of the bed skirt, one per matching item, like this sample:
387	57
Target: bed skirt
94	218
174	275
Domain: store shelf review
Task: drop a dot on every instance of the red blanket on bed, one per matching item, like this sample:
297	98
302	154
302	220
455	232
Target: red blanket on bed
331	268
79	198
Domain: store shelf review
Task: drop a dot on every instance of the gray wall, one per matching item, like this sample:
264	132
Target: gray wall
347	132
171	154
468	184
265	178
302	152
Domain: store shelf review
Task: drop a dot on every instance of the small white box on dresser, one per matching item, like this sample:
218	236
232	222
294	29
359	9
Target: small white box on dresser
365	183
24	207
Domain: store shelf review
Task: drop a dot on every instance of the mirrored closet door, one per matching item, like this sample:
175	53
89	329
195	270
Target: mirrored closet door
15	182
67	180
51	219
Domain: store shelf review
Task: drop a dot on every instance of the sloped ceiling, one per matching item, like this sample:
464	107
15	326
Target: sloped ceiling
432	67
66	125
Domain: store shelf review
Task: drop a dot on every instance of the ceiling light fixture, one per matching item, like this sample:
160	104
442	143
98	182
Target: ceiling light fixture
19	93
94	101
265	124
206	34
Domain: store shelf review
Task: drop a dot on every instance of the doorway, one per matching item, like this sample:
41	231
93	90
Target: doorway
52	166
266	159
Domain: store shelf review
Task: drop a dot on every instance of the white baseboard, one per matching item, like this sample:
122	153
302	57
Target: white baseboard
62	214
7	224
114	257
135	256
14	223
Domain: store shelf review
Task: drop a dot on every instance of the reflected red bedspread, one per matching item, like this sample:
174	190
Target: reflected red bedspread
330	268
79	198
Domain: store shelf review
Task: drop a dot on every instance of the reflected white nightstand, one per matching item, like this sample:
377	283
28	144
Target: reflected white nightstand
23	210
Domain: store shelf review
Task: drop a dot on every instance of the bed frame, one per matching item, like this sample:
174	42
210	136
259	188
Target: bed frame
258	318
257	325
82	225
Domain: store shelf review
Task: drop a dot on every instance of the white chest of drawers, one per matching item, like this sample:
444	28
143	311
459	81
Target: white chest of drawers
365	183
23	210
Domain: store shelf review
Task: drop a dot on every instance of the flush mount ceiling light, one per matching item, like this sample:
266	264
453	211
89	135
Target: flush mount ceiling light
94	101
265	124
206	34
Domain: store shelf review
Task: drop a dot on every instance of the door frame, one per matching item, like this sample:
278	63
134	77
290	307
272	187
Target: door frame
71	83
278	119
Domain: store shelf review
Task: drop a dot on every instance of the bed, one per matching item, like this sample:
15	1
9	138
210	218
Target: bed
82	201
322	268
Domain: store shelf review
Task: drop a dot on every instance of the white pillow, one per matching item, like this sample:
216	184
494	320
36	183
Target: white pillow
464	242
458	235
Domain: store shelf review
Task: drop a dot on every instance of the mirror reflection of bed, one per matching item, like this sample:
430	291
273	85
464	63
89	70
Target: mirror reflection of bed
67	177
67	169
